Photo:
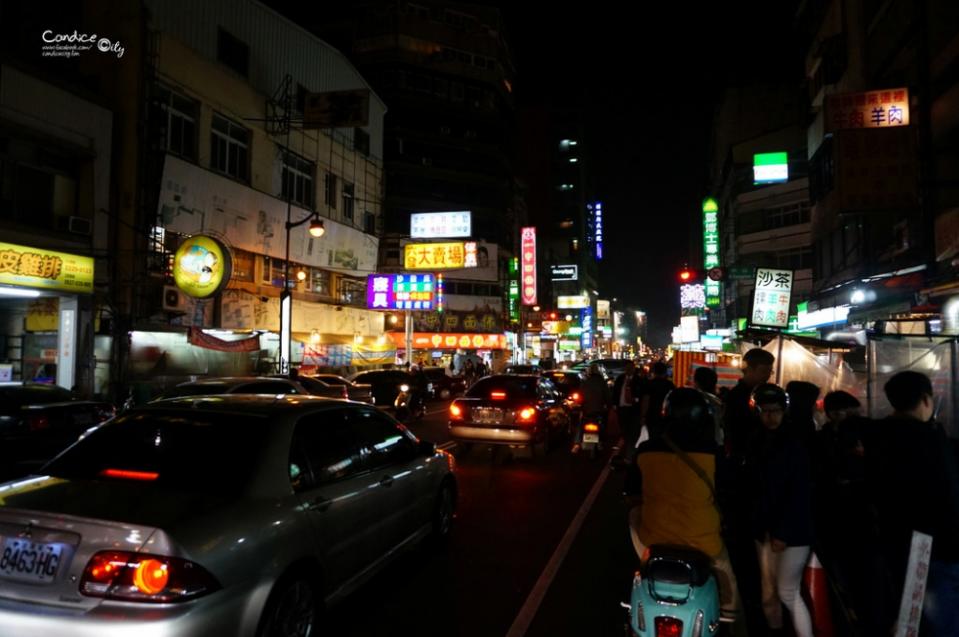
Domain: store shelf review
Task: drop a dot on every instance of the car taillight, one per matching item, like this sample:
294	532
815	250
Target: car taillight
575	397
38	423
591	427
526	414
498	395
456	412
123	474
669	627
136	577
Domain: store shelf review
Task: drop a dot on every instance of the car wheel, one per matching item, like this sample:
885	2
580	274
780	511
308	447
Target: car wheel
293	609
445	394
443	511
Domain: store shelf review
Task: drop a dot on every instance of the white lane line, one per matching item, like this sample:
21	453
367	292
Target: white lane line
528	611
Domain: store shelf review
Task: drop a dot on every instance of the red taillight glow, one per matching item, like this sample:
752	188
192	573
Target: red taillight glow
122	575
456	412
669	627
146	476
498	395
575	396
38	423
591	427
526	414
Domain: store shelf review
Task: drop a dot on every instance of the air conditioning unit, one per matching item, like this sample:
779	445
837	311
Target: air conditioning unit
79	225
174	299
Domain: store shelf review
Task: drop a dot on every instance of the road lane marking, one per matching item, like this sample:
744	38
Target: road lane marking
528	612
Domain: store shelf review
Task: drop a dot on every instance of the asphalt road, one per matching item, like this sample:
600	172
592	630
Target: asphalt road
540	547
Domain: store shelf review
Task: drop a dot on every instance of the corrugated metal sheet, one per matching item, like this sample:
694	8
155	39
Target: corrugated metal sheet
277	47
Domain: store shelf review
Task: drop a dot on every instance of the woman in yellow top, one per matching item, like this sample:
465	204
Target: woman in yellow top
677	502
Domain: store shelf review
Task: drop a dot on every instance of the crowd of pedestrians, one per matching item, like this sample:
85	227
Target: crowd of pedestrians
766	476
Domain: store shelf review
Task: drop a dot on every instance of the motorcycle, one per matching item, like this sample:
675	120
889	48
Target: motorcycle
674	594
592	426
409	405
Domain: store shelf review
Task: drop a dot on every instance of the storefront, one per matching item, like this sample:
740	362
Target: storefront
46	316
439	348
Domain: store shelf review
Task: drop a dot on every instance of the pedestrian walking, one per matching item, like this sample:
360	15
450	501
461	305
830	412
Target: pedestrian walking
782	519
914	483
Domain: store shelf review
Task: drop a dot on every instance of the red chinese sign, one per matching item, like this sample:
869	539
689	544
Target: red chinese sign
887	108
528	265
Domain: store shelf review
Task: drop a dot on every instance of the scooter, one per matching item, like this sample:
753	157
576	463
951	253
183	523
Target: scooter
591	436
408	406
675	594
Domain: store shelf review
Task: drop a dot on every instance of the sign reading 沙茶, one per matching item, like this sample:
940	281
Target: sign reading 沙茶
771	298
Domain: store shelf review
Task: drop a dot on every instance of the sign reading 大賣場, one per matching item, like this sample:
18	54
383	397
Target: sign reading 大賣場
771	298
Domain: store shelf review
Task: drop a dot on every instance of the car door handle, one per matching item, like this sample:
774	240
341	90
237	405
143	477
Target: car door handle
319	504
387	481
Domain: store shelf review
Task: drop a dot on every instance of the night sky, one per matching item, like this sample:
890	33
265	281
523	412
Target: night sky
650	79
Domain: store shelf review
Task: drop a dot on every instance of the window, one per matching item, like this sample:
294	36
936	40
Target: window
387	443
243	266
789	215
230	148
179	115
330	192
352	292
361	141
319	281
348	200
369	226
325	449
232	52
273	272
795	259
298	180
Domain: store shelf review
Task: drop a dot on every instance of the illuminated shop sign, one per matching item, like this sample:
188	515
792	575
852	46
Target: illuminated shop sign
202	266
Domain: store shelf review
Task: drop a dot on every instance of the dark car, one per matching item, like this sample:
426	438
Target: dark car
39	421
359	393
514	410
444	387
256	385
524	369
386	384
569	384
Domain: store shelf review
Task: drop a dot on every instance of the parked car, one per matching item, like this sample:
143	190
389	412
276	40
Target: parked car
359	393
516	410
386	384
524	369
444	387
228	515
38	421
256	385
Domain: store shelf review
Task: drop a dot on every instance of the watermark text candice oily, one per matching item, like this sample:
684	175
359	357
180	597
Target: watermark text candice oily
73	44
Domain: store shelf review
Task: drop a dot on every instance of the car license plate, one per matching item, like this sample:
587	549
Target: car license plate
588	438
27	561
487	416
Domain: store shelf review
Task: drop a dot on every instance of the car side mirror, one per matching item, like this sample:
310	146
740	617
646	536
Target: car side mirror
427	448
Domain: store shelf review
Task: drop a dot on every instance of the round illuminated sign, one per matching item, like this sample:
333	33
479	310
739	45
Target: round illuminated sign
202	266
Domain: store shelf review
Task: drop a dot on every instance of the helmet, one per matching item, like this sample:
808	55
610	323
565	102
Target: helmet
687	407
769	394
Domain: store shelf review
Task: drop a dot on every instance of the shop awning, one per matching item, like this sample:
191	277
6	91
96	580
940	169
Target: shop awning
201	339
755	334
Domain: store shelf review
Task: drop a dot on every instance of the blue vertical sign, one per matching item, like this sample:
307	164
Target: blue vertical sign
586	320
598	229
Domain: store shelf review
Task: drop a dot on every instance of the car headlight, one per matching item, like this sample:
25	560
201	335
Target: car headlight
404	388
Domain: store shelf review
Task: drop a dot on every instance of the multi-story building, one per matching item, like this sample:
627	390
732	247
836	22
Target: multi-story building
446	73
760	224
226	87
883	155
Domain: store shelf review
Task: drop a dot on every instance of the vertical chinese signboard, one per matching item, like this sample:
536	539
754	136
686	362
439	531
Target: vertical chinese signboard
528	257
711	249
771	298
586	320
598	230
514	290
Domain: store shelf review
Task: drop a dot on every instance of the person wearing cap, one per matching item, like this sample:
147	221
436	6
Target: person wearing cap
782	519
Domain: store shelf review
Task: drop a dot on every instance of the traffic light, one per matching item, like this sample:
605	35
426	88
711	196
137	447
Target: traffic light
687	275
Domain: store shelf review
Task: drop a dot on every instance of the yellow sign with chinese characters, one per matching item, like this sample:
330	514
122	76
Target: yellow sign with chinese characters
439	256
45	269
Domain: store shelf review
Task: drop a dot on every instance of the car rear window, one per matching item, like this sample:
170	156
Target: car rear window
203	389
565	380
210	452
332	380
514	387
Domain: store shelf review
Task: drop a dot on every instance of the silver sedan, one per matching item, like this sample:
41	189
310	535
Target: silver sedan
217	515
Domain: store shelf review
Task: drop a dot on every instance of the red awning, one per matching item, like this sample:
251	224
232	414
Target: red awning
201	339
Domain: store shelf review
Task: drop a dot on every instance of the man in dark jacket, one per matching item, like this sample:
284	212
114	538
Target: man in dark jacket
651	406
627	394
596	398
739	419
914	480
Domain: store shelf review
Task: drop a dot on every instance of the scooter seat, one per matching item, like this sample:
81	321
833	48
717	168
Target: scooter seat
678	565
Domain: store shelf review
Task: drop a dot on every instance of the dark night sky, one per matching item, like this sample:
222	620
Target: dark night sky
651	79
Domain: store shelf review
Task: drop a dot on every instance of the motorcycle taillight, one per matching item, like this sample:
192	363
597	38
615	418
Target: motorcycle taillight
669	627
